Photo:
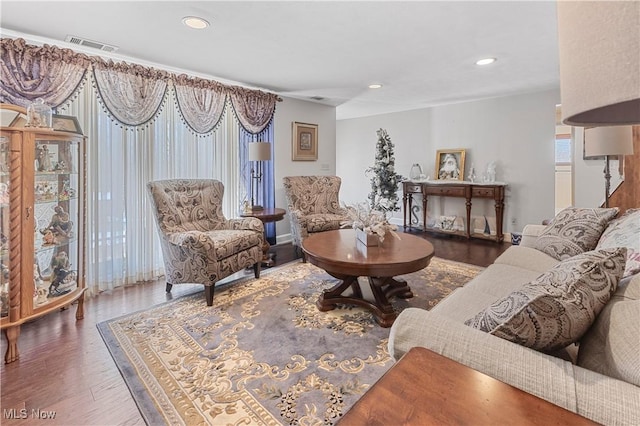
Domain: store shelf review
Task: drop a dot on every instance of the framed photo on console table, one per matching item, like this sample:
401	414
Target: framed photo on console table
305	142
450	164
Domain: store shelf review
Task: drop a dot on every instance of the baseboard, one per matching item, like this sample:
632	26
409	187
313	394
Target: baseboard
284	239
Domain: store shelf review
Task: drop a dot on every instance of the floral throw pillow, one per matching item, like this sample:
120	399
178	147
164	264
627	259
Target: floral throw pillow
574	231
624	232
559	306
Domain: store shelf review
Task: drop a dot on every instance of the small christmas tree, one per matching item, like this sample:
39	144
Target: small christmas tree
384	179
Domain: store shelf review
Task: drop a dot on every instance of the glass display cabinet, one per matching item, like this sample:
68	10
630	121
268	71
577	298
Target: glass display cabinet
42	205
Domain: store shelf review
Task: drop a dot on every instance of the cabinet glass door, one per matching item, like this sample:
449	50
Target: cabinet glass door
56	213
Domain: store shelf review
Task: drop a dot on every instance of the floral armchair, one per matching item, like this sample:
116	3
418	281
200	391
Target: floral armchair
313	206
199	245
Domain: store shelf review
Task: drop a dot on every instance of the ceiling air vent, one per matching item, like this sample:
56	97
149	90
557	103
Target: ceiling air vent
90	43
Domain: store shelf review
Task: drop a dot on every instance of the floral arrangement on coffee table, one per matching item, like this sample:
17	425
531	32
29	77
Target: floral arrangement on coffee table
371	222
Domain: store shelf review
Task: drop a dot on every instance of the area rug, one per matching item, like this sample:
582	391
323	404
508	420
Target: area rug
263	354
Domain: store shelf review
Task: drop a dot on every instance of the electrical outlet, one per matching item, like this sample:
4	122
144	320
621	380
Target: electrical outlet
513	221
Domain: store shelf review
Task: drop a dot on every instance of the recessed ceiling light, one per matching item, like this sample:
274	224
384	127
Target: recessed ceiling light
195	22
485	61
375	86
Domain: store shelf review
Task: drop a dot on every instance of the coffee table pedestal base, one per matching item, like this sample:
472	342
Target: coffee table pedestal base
382	289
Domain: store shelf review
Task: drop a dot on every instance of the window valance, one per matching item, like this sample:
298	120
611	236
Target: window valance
32	72
201	102
132	94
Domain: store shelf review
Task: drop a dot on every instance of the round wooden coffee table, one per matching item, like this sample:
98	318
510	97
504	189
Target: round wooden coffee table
338	253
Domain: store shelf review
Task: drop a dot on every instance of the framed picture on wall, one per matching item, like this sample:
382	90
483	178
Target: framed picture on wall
305	142
450	164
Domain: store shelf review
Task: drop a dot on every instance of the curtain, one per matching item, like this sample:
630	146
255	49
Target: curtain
46	72
201	102
142	124
132	94
123	246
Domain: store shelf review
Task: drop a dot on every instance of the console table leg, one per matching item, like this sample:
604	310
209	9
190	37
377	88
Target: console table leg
468	218
424	212
499	219
404	211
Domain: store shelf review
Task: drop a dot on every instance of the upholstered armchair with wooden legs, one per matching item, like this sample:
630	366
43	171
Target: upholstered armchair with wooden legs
313	205
199	245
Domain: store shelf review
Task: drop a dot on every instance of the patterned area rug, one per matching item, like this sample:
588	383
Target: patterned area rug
263	354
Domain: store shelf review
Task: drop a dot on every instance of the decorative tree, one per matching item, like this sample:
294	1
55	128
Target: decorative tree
384	179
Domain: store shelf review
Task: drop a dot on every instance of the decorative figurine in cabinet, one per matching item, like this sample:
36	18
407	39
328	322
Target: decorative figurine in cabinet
42	205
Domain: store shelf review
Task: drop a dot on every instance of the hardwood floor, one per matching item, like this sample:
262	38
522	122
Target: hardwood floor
65	367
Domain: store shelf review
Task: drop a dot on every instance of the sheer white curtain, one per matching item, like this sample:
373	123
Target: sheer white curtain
122	242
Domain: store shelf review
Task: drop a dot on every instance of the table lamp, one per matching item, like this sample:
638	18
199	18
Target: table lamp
608	141
258	152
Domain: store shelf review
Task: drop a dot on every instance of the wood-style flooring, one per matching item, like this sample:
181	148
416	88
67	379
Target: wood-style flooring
65	368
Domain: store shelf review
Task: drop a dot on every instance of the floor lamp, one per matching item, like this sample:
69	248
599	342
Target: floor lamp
608	141
258	152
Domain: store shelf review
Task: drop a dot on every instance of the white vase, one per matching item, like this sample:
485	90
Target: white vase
367	239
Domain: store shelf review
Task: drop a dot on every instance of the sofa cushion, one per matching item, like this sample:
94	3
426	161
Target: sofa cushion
559	306
229	242
574	231
463	302
321	222
527	258
612	344
500	280
624	232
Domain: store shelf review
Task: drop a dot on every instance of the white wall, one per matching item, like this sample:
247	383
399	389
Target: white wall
517	132
288	111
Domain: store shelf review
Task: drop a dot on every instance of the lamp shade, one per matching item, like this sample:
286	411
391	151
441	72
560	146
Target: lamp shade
599	53
616	140
259	151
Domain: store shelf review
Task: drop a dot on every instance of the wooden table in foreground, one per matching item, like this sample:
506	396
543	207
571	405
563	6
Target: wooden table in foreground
338	253
425	388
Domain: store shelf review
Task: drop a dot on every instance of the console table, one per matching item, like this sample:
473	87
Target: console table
460	189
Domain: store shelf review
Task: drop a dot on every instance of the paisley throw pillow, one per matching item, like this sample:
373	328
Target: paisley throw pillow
624	232
559	306
574	231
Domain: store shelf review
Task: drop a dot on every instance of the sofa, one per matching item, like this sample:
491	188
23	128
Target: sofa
597	375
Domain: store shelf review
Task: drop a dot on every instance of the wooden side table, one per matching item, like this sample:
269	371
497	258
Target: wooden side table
266	215
426	388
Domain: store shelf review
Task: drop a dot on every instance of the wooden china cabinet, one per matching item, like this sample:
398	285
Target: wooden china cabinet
42	205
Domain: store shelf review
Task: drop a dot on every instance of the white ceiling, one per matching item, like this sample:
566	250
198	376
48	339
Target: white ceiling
423	52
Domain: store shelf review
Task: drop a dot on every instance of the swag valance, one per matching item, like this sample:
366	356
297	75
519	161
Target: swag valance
132	94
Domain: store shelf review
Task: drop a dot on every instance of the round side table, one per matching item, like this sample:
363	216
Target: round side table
266	215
